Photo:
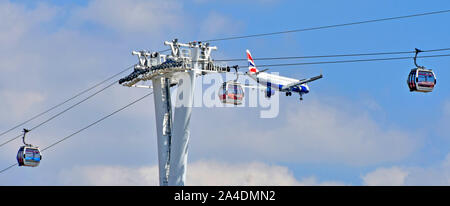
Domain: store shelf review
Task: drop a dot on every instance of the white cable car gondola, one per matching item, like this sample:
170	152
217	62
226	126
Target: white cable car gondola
421	79
28	155
231	92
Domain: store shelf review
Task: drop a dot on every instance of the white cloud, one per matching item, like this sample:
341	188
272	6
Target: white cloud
446	109
110	175
442	125
317	131
57	61
199	173
386	176
17	21
434	175
158	16
216	24
17	24
15	104
215	173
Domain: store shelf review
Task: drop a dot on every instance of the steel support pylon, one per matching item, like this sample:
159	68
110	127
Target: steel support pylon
163	114
180	68
173	133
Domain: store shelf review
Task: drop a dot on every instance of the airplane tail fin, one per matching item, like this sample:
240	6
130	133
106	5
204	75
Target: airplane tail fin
251	64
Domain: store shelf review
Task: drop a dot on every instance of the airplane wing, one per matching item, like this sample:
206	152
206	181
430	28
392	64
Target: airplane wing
303	81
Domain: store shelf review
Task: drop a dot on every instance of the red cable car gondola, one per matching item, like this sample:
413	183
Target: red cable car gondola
231	92
421	79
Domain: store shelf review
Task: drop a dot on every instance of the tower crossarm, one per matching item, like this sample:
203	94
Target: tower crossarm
184	57
145	74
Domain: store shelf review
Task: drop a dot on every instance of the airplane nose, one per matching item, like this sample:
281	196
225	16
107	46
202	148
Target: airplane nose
304	89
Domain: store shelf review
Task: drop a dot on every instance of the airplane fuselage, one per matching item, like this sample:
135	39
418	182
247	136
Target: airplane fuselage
277	82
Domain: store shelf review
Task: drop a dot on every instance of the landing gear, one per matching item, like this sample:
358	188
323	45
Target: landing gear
288	94
301	98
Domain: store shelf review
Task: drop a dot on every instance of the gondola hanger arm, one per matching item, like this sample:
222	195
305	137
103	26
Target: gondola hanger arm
415	57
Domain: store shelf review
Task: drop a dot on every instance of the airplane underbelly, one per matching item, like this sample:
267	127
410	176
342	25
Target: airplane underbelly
272	85
301	89
276	84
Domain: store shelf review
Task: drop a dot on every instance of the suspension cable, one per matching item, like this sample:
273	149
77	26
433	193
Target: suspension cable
64	102
331	56
84	128
328	26
62	112
349	61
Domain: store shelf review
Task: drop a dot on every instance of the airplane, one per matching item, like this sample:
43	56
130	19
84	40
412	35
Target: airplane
273	82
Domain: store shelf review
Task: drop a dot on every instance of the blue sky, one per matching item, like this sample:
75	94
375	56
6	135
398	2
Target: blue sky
358	126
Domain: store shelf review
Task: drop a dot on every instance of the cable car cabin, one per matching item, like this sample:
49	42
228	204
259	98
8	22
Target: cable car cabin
421	80
29	156
231	92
